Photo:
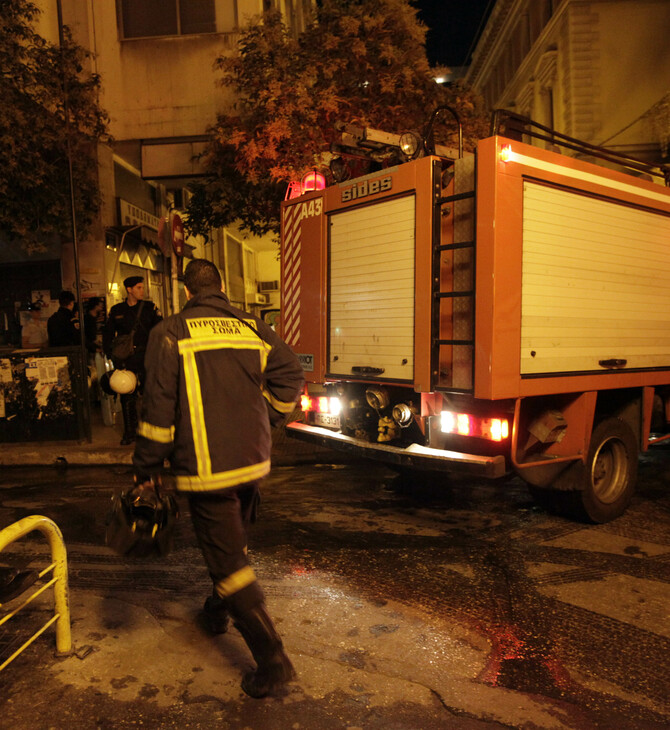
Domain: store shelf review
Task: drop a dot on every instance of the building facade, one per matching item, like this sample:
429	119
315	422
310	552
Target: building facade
156	61
597	70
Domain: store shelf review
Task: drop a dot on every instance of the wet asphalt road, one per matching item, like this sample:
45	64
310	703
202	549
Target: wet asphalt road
575	615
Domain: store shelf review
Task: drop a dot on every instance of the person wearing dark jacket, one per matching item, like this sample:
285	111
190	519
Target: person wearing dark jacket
61	326
94	307
217	379
137	316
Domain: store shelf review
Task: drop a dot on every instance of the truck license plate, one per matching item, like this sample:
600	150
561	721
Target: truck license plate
327	420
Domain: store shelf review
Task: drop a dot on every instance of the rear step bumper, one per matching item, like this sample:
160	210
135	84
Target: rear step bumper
421	457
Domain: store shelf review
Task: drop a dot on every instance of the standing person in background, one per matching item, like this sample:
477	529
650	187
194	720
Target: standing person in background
94	307
14	326
62	327
136	316
217	378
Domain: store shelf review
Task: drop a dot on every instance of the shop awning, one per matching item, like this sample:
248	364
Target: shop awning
141	234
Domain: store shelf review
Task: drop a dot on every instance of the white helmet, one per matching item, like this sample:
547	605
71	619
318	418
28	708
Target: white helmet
123	381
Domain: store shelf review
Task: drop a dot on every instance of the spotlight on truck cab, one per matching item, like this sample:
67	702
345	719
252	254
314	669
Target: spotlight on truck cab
339	169
410	145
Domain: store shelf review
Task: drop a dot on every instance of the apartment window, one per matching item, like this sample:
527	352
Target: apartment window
296	13
540	14
547	107
151	18
524	38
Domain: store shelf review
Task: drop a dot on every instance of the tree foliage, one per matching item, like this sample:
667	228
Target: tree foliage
359	61
36	78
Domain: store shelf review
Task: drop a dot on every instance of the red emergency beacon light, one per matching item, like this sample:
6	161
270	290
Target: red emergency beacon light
313	181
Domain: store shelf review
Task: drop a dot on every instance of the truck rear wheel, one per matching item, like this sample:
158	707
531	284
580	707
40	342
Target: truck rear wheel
601	489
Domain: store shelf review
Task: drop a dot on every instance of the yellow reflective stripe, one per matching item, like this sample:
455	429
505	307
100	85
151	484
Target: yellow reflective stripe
197	415
221	342
278	405
156	433
236	582
222	480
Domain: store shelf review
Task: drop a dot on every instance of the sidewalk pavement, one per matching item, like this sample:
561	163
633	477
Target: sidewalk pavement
105	448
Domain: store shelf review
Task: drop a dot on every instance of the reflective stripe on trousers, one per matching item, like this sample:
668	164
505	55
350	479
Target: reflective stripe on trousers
220	520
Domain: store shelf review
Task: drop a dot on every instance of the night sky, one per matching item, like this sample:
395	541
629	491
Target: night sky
452	27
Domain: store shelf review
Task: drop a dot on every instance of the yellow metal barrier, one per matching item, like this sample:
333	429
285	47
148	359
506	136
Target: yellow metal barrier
58	580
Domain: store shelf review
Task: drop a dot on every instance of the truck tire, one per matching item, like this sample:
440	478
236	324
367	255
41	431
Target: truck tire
601	489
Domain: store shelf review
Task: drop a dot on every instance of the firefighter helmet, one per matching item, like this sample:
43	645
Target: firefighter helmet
123	381
141	522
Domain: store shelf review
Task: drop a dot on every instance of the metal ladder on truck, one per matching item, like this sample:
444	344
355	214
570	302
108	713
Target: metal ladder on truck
453	279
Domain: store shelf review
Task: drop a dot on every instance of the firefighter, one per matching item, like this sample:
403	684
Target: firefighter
137	316
217	379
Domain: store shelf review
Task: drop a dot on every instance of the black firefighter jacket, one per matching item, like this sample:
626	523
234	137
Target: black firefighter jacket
216	379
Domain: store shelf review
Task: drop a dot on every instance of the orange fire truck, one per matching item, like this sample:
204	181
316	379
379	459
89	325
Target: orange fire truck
506	311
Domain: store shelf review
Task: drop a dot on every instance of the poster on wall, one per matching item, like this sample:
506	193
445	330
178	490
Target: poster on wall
34	328
40	297
46	373
38	401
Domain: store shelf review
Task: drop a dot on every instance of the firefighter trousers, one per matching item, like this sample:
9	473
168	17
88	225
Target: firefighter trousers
221	520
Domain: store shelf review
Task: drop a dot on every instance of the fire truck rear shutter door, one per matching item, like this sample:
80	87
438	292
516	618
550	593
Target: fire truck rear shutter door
595	283
372	289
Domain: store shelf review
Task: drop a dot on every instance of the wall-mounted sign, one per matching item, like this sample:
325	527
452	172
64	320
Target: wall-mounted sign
131	215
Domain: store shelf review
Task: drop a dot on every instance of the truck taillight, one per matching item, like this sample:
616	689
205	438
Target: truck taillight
465	424
321	404
499	429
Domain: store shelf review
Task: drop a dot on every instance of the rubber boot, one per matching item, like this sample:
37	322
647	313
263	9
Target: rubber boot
129	410
274	668
216	614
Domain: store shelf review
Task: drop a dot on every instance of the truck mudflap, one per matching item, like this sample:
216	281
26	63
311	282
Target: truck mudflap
421	457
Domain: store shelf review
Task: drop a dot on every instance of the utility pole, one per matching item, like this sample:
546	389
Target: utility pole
75	247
